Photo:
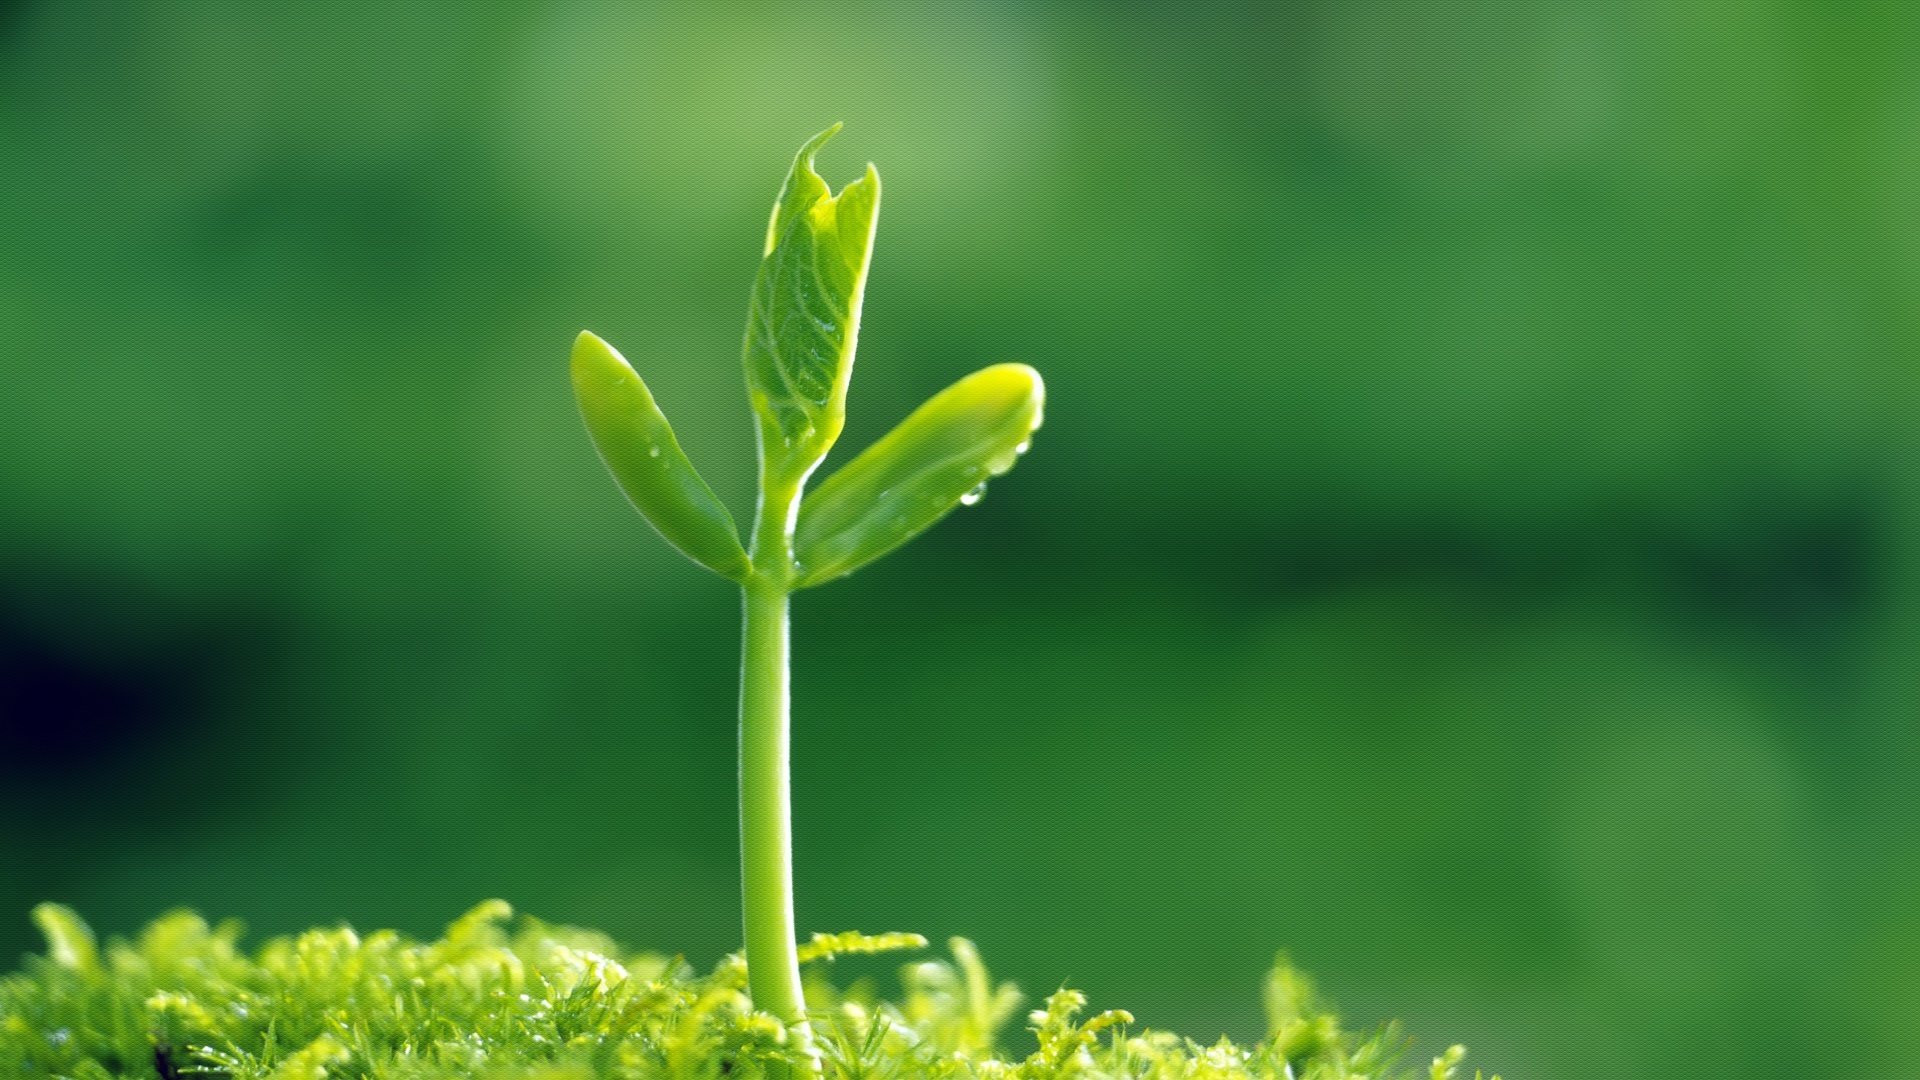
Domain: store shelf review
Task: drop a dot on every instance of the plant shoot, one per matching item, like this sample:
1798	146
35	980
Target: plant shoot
802	325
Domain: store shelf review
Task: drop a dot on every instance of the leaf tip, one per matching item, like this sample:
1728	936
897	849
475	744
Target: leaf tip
1024	376
802	189
591	344
1018	385
585	346
596	362
803	161
864	195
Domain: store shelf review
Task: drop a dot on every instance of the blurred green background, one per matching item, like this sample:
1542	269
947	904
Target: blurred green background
1474	546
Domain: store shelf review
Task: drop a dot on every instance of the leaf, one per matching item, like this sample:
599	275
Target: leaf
804	317
638	446
70	942
918	472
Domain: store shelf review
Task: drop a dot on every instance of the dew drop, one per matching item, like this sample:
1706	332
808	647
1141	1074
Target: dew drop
979	492
653	451
1023	447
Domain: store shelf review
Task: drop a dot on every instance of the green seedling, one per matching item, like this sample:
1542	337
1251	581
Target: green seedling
802	325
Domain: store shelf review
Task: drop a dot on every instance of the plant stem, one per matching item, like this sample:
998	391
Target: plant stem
766	823
766	816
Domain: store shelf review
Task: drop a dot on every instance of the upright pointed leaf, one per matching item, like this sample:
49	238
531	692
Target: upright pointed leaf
918	472
70	942
638	446
804	317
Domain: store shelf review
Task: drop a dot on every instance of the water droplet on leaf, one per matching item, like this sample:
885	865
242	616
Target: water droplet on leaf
653	451
979	492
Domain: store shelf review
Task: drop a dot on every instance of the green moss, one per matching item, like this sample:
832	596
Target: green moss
521	1000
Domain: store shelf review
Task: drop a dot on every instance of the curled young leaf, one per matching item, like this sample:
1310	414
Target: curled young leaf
804	317
937	459
638	446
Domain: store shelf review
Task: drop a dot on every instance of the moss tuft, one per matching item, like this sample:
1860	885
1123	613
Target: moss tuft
521	1000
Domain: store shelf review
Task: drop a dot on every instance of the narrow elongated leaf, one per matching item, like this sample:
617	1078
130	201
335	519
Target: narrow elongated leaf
937	459
804	317
638	446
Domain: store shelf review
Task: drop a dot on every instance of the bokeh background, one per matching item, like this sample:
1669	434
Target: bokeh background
1474	546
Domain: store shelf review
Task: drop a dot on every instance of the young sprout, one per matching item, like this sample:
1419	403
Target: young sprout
801	327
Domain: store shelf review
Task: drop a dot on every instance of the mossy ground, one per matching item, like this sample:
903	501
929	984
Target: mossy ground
521	1000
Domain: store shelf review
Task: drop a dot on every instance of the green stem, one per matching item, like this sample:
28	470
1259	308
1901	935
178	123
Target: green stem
766	817
766	823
